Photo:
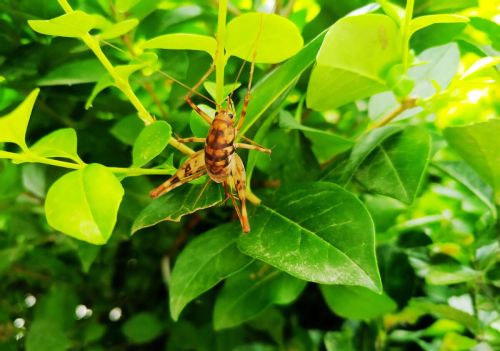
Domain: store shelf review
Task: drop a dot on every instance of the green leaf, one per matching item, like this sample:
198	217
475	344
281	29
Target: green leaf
178	203
275	84
127	129
203	263
325	144
317	232
142	328
270	37
477	144
447	274
210	87
78	72
425	21
43	335
73	25
198	125
84	204
14	124
343	73
397	166
183	41
152	140
464	174
60	143
251	291
356	302
119	29
364	147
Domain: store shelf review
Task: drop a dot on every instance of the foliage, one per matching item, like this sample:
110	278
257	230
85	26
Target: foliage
374	221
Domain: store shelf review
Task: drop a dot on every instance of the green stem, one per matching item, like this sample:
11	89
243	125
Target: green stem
28	157
122	84
406	32
220	60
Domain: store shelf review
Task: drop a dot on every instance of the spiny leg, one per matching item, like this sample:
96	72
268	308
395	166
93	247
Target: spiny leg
252	147
247	96
239	179
192	168
173	183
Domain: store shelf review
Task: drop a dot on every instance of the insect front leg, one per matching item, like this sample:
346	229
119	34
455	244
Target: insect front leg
239	181
193	168
191	140
253	147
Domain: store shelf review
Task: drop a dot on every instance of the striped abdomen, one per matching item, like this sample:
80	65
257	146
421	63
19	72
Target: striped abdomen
219	149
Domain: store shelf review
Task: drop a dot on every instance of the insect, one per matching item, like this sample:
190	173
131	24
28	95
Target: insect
218	158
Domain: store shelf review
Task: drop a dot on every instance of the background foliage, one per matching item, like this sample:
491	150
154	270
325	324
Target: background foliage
378	227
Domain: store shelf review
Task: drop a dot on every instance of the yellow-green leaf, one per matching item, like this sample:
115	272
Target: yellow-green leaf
13	125
60	143
271	38
73	25
424	21
119	29
183	41
84	204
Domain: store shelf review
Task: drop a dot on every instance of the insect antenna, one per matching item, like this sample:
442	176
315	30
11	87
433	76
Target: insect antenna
191	90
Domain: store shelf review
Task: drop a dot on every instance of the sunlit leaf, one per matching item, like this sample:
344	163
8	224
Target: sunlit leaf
252	290
268	37
206	261
151	142
477	144
119	29
317	232
60	143
425	21
183	41
84	204
13	125
74	25
342	73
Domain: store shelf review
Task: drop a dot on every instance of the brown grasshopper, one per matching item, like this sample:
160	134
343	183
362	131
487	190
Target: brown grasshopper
218	159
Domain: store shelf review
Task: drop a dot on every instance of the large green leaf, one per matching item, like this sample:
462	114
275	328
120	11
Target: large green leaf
276	83
183	41
152	140
178	203
478	145
43	335
251	291
206	261
74	25
270	37
59	143
317	232
343	73
356	302
397	166
13	125
84	204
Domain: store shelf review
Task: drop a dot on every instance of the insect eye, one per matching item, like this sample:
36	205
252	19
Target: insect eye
231	116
